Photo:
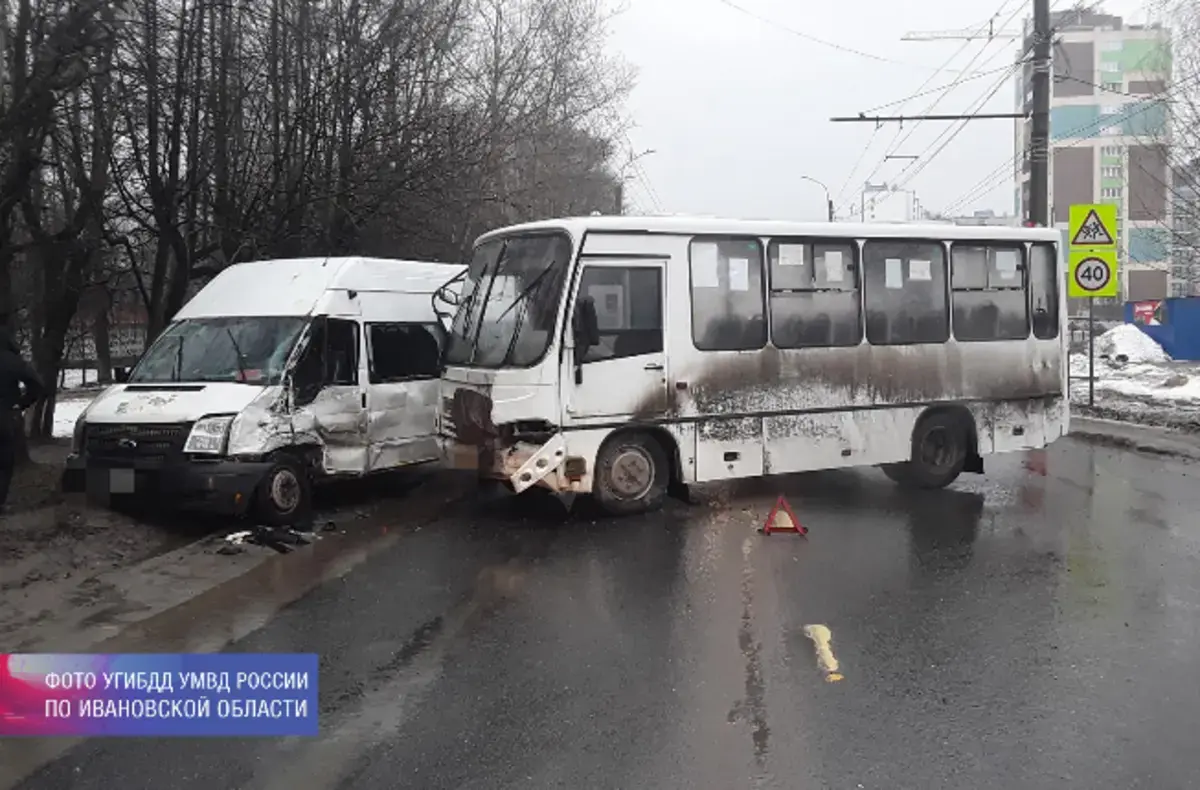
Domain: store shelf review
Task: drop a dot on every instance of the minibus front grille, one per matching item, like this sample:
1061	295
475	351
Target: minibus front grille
447	421
134	442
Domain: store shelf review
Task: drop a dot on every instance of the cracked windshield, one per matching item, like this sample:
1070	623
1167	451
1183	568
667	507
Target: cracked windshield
523	394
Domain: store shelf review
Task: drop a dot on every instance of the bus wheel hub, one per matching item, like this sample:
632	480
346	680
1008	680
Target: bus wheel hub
632	473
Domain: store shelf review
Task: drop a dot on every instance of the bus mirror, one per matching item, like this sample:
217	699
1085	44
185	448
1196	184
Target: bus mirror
587	326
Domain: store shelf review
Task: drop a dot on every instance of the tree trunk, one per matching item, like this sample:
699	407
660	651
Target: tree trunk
101	340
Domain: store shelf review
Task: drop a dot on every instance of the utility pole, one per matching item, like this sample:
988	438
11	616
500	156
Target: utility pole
1039	148
620	198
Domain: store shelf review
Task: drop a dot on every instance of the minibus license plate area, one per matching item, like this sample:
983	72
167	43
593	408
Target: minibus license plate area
120	481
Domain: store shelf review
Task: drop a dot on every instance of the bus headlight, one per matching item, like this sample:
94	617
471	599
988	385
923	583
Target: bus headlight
209	435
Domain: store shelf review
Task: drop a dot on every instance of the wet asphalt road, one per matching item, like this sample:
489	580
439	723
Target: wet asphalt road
1019	631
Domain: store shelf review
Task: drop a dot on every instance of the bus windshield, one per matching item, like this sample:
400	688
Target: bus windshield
509	302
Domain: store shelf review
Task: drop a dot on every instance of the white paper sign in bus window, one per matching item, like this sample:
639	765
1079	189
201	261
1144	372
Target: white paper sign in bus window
834	272
791	254
704	266
739	274
1006	264
893	275
919	270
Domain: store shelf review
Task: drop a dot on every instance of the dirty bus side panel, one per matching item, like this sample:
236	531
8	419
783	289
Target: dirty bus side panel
762	409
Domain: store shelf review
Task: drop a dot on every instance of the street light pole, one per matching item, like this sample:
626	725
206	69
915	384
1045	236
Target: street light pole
828	199
623	176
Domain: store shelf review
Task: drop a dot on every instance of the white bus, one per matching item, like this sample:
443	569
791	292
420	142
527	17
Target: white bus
622	356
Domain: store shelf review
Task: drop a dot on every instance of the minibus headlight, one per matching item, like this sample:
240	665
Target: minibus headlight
77	436
209	435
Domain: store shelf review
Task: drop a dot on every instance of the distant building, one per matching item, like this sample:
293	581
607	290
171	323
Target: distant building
1108	138
881	203
985	217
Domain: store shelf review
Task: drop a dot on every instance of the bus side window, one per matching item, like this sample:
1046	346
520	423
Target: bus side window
1043	291
988	291
905	292
814	293
728	303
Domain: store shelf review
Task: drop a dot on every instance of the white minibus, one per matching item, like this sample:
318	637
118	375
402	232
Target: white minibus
276	375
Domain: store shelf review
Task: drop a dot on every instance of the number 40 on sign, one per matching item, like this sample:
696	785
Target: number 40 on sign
1092	273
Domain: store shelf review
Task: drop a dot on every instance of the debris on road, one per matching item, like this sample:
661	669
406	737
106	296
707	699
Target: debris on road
821	638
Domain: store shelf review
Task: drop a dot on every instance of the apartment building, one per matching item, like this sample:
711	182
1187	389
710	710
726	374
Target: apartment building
1109	139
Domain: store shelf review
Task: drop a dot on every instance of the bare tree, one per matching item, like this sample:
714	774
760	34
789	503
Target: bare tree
147	144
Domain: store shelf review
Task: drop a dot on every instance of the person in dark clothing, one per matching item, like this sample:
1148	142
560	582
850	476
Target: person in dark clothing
14	372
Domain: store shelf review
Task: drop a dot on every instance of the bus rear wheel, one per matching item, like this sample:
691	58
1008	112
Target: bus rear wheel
939	453
631	475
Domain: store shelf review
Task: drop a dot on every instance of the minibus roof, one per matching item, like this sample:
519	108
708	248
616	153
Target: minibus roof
295	286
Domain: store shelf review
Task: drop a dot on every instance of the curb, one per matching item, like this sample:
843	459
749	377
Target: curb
1148	439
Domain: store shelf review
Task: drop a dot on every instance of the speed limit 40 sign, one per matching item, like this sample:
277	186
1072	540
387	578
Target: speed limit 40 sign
1092	273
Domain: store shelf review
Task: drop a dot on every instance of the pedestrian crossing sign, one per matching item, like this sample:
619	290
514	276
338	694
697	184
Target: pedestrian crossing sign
1093	226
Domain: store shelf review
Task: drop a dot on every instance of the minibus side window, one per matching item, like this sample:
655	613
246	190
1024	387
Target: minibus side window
330	359
402	352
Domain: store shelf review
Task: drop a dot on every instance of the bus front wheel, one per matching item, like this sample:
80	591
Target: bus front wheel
939	452
631	475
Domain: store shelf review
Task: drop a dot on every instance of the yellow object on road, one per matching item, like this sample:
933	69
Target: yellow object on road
826	660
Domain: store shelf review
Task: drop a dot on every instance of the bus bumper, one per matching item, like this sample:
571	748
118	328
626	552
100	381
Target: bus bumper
521	465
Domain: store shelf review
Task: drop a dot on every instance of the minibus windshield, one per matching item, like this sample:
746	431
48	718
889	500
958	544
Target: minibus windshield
247	350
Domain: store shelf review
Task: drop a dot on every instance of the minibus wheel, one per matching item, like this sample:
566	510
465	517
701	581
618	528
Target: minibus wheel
632	474
285	493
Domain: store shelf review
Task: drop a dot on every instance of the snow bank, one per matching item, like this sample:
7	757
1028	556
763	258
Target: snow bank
66	412
1132	343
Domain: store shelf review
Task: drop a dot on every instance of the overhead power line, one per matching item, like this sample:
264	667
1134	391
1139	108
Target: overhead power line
823	42
978	116
938	89
899	141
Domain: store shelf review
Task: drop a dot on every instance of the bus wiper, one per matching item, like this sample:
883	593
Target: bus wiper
175	374
528	289
520	322
241	358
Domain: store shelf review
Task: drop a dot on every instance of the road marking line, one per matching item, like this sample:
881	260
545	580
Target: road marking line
821	637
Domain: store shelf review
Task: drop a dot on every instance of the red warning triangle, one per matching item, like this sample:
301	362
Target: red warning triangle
782	519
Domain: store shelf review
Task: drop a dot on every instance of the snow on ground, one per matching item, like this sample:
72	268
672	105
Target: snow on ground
1135	380
70	403
1132	343
74	379
66	412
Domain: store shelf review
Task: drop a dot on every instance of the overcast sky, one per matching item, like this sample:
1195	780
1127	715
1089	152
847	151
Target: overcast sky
735	104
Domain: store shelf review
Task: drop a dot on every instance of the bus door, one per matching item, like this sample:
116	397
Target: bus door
621	371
